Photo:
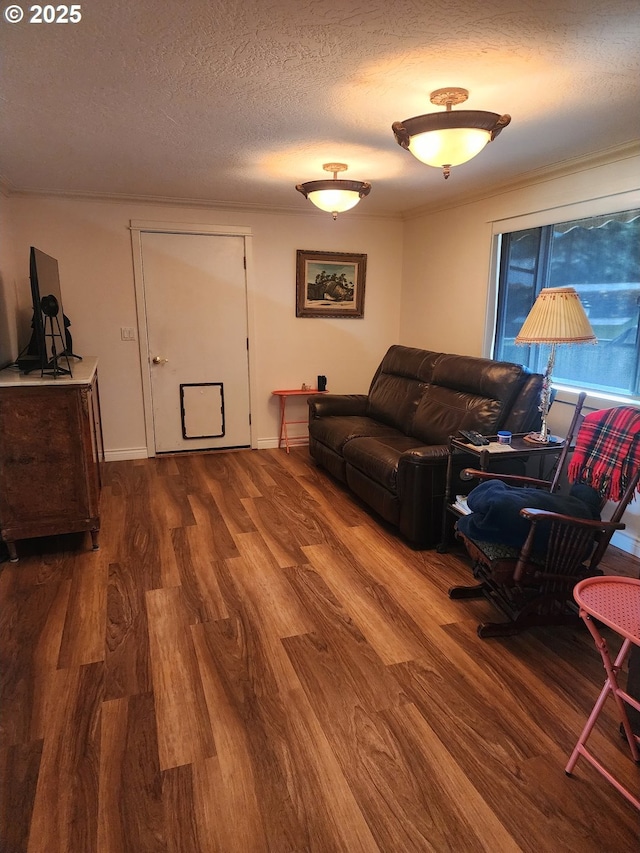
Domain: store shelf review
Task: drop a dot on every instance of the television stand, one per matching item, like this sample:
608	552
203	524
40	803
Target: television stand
51	454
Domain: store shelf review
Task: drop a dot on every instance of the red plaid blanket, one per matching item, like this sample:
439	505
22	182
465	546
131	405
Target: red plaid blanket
607	452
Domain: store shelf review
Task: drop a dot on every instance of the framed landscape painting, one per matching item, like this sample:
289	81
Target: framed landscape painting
330	284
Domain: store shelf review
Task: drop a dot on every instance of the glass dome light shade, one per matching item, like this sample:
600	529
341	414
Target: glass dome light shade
448	147
334	201
448	138
334	196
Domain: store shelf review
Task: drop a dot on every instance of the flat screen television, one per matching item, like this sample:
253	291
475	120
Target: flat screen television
49	349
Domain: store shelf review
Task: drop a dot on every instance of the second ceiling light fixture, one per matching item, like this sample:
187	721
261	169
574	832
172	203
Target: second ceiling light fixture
443	139
334	195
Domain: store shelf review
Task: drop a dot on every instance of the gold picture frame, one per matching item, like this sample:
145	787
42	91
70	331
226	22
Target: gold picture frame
330	284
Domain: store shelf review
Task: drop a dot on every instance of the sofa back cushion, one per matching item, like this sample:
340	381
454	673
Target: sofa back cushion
466	393
399	384
524	415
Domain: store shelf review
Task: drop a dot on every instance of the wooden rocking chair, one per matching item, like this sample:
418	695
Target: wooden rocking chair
536	587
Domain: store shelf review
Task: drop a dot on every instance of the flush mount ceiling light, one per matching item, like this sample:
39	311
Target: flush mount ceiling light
333	195
448	138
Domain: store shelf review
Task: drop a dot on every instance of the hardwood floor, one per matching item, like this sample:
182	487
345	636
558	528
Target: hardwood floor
251	663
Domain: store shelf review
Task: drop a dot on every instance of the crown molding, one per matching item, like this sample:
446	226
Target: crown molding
203	204
551	172
536	176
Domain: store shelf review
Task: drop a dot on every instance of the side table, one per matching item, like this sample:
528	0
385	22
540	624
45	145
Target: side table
284	423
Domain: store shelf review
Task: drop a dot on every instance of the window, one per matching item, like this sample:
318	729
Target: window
600	257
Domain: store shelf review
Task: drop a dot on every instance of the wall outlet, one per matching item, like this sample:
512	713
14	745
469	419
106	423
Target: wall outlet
127	333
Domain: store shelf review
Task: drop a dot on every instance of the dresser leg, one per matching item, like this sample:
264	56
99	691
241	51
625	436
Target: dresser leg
13	553
94	539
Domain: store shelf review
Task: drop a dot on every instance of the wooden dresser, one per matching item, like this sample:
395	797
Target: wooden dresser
51	453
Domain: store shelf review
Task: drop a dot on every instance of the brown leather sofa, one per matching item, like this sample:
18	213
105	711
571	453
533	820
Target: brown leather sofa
390	446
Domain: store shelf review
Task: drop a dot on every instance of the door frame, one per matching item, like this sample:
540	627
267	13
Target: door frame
139	227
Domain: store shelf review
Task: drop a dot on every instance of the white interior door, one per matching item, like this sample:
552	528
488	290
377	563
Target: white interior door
196	309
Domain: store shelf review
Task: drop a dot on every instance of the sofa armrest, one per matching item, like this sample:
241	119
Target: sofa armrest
325	405
422	475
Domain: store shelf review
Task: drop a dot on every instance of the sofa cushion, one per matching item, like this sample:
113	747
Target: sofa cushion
409	362
443	411
394	399
497	380
399	384
378	457
336	431
466	393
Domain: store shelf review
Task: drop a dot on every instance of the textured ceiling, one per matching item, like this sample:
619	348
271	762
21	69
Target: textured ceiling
236	101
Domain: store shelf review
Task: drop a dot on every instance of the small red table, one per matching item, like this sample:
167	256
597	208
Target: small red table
284	423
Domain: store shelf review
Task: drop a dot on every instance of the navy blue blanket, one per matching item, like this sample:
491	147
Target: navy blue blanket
495	515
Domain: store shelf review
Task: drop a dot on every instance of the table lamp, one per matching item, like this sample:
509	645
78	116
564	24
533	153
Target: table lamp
557	317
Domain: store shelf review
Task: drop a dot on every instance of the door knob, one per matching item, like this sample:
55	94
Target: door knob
158	360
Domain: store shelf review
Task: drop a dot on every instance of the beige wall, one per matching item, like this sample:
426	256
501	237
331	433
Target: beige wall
447	278
92	244
8	286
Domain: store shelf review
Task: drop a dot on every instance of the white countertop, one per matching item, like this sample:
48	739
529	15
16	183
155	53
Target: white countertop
83	372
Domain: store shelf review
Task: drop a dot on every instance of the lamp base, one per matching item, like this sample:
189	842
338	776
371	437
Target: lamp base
538	438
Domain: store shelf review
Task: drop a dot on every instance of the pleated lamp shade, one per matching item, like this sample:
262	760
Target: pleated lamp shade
557	317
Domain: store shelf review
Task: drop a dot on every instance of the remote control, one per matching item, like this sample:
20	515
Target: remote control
474	437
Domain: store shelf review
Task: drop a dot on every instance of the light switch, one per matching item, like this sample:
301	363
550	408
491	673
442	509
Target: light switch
127	333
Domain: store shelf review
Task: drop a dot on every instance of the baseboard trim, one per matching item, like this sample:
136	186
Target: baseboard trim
269	443
124	453
626	542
